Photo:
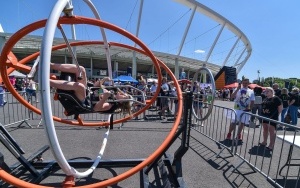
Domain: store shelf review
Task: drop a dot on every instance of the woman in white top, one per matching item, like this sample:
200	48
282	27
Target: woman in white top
152	91
31	89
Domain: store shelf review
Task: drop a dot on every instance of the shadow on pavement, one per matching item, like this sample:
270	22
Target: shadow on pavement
260	151
234	177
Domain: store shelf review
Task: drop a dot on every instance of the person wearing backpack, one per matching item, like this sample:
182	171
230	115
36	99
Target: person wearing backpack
294	104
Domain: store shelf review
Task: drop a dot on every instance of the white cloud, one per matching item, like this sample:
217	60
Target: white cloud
199	51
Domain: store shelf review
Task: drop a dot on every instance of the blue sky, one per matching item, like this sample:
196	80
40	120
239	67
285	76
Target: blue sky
272	27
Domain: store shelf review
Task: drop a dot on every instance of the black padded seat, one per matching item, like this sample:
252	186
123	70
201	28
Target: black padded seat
72	105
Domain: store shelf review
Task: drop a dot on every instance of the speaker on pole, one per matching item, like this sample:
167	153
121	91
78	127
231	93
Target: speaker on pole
230	75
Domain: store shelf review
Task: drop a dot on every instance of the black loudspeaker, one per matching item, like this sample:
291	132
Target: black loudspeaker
230	75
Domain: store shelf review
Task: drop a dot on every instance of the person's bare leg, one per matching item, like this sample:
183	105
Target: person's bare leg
272	136
265	134
102	105
78	88
70	68
241	127
231	127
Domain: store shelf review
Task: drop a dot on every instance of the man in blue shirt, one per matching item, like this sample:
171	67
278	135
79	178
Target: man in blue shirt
182	74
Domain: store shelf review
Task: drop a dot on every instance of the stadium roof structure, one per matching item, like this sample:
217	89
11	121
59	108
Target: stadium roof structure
203	37
30	44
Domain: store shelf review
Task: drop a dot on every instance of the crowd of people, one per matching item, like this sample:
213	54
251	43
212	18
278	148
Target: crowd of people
290	102
26	86
274	103
270	102
166	103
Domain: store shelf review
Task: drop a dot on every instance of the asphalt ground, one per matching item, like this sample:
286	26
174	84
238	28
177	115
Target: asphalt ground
137	140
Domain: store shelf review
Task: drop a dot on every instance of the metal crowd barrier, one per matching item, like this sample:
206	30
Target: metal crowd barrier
216	127
151	114
276	165
13	112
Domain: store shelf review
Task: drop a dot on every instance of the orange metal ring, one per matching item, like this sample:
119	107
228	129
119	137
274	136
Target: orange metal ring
64	20
78	20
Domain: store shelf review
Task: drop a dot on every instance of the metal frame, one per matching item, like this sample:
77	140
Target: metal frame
170	166
24	164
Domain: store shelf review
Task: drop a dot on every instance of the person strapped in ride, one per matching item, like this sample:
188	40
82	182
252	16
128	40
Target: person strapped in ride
79	86
106	102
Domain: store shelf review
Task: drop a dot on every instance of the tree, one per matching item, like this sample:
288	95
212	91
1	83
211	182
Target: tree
294	82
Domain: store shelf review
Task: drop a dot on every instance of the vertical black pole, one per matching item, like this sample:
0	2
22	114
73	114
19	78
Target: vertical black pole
185	135
111	121
3	165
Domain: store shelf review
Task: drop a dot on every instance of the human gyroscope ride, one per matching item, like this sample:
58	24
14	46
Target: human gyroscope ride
42	59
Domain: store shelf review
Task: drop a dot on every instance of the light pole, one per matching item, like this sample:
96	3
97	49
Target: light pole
258	72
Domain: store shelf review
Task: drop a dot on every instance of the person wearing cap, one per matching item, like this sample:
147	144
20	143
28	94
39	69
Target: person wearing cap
243	102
